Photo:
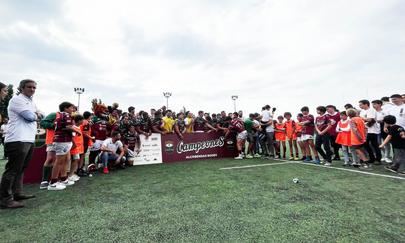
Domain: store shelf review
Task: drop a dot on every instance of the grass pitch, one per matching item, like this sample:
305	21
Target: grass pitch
196	201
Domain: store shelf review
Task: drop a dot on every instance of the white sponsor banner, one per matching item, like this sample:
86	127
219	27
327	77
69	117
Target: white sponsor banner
151	150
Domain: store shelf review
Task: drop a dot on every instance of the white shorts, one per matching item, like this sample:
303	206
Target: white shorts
96	145
305	137
75	156
62	148
242	135
299	139
50	147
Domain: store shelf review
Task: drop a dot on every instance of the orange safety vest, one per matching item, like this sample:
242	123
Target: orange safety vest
357	124
280	136
343	137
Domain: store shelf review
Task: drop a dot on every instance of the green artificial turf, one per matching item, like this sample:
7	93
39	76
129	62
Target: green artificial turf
196	201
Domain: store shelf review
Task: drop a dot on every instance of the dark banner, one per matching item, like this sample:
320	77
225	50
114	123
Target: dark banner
197	146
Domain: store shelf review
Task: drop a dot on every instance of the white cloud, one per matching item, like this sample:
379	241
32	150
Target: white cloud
285	53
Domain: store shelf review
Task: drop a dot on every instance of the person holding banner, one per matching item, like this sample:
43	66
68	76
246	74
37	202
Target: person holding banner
132	144
238	126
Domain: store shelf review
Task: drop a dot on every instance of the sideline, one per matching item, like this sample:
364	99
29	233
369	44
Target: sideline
301	163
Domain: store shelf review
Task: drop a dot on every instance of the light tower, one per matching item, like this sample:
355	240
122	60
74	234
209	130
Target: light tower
167	96
78	91
234	98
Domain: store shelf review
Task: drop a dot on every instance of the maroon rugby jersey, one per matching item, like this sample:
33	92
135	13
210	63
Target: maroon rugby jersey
131	139
237	125
309	128
199	124
334	120
322	122
99	130
61	122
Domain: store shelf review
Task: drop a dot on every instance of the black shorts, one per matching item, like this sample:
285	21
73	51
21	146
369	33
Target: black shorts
360	146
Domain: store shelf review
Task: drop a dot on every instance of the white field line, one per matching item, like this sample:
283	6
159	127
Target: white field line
260	165
328	167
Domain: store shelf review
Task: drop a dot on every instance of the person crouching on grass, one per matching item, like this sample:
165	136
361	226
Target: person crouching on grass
63	143
358	135
109	150
397	139
132	144
77	148
279	134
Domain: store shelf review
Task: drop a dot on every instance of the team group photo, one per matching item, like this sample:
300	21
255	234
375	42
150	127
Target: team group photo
255	121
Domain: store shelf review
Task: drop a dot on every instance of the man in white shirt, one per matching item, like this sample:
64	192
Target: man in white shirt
268	130
398	109
19	144
369	116
377	105
109	150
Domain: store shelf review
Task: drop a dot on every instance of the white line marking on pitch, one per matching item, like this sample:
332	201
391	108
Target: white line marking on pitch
294	162
251	166
356	171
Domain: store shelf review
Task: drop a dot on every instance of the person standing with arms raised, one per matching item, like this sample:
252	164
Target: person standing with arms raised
19	144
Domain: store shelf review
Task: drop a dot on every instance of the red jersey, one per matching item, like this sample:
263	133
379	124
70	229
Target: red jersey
61	122
99	130
334	120
309	128
237	125
322	122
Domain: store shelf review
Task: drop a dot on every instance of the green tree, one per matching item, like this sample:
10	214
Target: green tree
4	103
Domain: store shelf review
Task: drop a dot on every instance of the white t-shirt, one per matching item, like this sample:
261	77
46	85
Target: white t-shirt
266	116
108	143
371	113
19	129
386	107
399	112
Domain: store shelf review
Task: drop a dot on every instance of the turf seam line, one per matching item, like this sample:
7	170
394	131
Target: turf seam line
259	165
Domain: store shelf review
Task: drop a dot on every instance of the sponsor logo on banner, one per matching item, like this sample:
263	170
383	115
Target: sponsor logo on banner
151	150
169	146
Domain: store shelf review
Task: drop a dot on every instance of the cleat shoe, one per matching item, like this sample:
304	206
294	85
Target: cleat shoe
105	170
44	185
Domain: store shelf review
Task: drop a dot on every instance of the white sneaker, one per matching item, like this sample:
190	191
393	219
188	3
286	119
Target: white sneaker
327	164
239	157
57	186
68	182
388	160
76	176
72	178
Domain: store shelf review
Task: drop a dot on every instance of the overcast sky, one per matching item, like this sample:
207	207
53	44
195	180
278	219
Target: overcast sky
283	53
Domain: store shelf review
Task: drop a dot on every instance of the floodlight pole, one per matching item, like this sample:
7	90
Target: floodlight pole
167	96
78	91
234	98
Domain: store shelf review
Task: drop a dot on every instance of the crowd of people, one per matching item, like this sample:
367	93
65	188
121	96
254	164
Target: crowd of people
365	135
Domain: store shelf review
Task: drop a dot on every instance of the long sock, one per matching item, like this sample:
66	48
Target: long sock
46	173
